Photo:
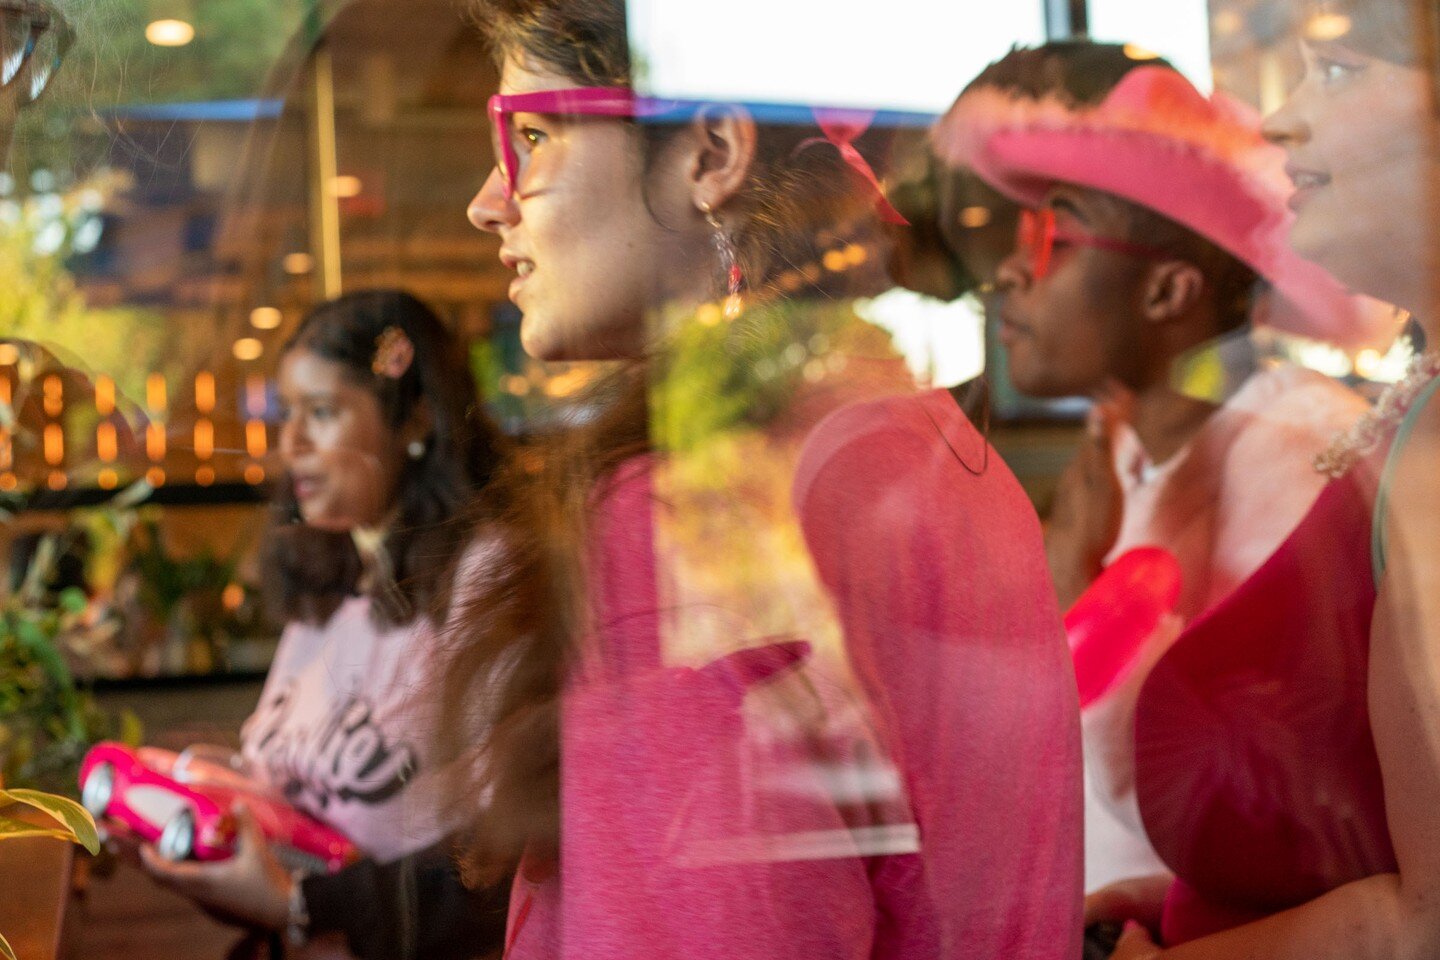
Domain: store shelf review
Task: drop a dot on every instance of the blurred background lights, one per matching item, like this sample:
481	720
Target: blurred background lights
974	218
1229	22
1136	52
345	187
248	348
1327	26
169	33
265	318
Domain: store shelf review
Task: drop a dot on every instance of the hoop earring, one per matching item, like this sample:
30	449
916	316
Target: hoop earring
729	263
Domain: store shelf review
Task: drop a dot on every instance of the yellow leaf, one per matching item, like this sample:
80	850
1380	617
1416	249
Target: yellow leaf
79	825
12	829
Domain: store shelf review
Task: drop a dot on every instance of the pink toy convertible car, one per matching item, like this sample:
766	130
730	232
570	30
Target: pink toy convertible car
182	802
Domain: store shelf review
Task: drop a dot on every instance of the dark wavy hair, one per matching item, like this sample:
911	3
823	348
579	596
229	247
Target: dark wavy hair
309	572
518	631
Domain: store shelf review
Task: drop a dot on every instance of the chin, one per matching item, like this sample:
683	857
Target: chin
322	520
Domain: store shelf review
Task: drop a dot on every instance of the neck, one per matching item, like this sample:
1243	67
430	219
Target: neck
1164	421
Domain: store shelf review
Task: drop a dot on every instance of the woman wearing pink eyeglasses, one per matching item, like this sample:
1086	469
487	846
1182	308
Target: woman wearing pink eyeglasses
645	817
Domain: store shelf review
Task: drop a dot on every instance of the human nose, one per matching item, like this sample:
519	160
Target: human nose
493	207
294	440
1286	127
1014	272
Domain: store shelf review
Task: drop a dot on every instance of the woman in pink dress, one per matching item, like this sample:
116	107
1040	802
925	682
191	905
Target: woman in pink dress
1286	759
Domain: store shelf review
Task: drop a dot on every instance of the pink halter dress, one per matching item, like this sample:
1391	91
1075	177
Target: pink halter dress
1256	770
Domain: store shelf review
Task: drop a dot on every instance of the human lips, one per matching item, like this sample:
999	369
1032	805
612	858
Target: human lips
1307	183
306	485
523	267
1011	328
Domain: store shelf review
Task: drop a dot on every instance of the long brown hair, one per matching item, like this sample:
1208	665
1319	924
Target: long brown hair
519	630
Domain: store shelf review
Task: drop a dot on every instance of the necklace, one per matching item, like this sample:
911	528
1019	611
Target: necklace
1379	422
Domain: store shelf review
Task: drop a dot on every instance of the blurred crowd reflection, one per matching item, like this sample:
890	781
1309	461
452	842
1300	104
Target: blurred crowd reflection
774	526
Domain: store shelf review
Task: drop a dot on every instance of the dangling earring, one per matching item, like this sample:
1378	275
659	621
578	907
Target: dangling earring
416	449
729	262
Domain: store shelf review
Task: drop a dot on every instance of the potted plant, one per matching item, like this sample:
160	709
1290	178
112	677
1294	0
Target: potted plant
30	815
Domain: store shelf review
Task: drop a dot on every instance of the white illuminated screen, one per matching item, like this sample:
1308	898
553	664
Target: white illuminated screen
1178	30
899	54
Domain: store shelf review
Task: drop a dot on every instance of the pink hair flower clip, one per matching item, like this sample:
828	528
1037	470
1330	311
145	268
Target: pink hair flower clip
393	353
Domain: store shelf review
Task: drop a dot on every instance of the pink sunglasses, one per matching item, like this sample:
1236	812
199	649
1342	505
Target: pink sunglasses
839	127
617	102
1038	232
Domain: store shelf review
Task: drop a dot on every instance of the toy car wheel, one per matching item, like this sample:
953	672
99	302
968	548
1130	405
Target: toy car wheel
177	839
98	789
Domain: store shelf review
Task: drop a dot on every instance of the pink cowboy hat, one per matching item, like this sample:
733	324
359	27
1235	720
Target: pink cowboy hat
1158	142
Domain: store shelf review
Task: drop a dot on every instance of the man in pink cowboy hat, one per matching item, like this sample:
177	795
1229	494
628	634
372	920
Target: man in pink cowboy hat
1152	236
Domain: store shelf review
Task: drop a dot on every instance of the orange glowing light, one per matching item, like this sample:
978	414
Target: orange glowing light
107	479
8	482
204	439
155	441
155	477
973	218
254	474
205	391
56	480
107	444
205	476
1328	26
247	349
156	397
54	443
233	597
266	318
54	390
7	391
256	440
104	396
7	453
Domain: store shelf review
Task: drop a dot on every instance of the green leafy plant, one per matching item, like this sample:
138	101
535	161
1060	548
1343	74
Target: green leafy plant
63	819
46	721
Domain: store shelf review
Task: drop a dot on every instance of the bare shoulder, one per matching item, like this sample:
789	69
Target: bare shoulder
1306	399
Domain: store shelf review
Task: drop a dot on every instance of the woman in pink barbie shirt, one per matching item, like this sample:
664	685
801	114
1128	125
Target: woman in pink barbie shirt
384	449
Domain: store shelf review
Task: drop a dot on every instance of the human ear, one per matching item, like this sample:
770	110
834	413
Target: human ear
724	152
1171	289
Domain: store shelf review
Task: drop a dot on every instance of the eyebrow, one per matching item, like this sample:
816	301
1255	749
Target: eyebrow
1066	205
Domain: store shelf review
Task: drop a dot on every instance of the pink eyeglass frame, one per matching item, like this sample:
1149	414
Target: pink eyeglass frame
1038	231
622	102
618	102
